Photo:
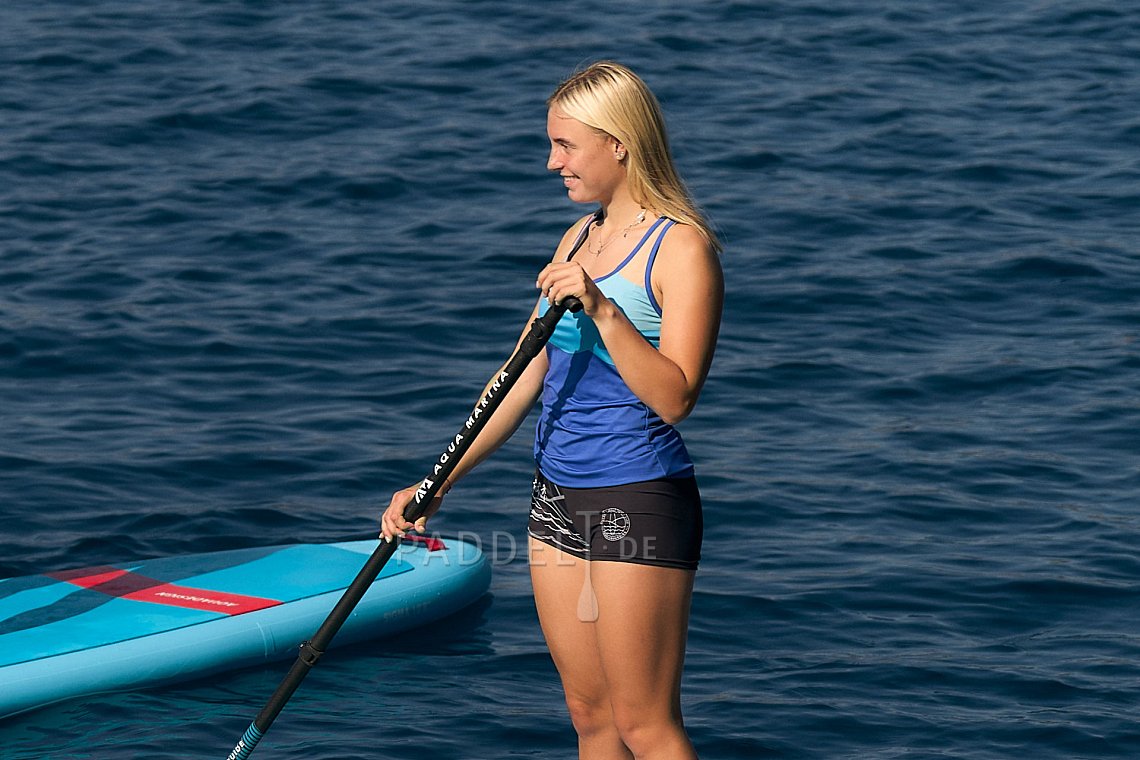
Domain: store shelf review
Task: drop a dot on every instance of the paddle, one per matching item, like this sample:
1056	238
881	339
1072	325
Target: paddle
537	336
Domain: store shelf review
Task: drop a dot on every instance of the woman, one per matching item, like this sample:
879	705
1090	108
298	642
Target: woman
615	526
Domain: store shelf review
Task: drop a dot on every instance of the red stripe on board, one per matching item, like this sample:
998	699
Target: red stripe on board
123	584
201	599
90	576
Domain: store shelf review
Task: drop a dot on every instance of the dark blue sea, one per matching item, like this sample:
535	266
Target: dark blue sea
257	260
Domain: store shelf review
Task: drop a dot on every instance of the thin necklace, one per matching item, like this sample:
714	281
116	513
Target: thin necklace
624	233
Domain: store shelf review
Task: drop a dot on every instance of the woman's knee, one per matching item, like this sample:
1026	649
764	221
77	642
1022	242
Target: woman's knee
647	730
590	715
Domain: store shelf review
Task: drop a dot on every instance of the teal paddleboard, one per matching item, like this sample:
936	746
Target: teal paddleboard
80	632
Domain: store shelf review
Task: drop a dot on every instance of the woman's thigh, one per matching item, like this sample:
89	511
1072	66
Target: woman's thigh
640	633
558	579
632	655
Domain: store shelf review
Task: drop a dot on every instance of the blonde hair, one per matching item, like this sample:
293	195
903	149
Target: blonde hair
611	99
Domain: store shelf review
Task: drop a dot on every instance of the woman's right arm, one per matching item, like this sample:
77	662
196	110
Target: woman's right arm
496	431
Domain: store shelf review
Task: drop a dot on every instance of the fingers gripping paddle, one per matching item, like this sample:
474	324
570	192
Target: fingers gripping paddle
533	342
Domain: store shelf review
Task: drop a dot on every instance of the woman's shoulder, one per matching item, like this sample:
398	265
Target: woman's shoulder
686	254
683	236
684	245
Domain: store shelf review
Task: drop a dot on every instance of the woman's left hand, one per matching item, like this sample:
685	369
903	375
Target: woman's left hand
559	280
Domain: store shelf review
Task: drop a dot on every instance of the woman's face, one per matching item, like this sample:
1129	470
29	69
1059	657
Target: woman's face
585	160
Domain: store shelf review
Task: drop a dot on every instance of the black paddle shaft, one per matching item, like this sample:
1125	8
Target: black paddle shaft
536	338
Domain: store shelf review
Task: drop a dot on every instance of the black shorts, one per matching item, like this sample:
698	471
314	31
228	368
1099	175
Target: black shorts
655	522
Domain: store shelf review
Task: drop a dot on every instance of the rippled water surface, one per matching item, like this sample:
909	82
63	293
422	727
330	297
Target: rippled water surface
257	259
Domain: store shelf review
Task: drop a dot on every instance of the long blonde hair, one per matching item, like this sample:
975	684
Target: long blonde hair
611	99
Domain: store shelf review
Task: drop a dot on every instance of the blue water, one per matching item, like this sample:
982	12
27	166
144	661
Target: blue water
257	259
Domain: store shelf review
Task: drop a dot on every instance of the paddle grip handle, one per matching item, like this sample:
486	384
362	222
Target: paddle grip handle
572	304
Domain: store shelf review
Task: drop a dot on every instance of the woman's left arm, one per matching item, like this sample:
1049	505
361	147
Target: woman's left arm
689	286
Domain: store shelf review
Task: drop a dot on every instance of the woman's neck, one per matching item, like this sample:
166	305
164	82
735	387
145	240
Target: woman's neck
621	213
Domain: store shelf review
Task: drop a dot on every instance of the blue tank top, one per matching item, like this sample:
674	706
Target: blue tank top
593	430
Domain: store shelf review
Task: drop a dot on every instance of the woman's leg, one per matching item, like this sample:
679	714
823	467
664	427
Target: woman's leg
557	578
643	621
621	673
